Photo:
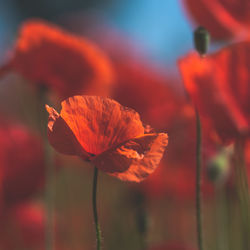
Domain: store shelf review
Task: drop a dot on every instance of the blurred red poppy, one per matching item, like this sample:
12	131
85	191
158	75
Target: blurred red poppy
67	64
218	86
223	18
108	134
23	227
21	163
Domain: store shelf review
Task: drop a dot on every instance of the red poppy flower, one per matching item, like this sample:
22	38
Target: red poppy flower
108	134
23	227
21	163
161	102
222	18
67	64
218	85
163	105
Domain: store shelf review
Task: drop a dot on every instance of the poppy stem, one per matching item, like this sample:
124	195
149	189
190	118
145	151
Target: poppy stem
198	181
97	226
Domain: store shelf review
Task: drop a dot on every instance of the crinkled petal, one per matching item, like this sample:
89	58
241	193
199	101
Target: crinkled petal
61	137
135	159
100	123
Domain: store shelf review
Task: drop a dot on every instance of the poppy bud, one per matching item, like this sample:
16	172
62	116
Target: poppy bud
219	165
216	169
201	40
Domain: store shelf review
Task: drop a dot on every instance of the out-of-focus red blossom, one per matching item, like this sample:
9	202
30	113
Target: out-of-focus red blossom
23	227
223	18
21	162
67	64
172	246
104	132
219	87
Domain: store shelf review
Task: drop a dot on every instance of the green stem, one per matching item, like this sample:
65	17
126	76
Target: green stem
198	182
97	226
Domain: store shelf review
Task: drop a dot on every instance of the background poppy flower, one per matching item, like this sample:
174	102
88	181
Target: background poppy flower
67	64
21	162
218	85
110	135
223	18
27	220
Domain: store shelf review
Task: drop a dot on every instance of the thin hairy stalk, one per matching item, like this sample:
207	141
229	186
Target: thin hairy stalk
97	226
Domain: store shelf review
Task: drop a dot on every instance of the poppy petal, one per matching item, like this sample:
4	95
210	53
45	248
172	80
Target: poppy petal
224	19
100	123
61	137
135	159
218	86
